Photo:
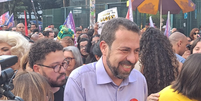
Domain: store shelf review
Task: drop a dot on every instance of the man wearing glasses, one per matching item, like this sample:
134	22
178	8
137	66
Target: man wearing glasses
46	58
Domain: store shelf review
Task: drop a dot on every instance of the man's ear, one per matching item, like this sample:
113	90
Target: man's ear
103	47
179	43
36	68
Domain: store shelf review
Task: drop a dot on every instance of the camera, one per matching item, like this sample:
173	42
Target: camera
6	77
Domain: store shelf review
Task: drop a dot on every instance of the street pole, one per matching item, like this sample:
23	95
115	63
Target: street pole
92	13
34	12
64	3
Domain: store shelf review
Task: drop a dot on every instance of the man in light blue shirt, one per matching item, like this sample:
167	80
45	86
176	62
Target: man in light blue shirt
112	78
179	42
180	58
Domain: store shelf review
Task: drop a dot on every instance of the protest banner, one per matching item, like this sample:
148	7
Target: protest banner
105	16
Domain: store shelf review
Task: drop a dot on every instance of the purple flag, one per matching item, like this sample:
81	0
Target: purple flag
167	29
69	23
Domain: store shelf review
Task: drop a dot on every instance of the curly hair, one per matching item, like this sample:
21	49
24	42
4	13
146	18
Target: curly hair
42	48
19	44
158	61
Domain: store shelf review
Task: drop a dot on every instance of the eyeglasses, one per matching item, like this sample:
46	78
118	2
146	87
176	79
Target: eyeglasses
188	47
57	68
69	59
83	46
195	33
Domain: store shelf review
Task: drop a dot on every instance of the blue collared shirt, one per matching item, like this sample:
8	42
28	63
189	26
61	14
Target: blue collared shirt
92	83
180	58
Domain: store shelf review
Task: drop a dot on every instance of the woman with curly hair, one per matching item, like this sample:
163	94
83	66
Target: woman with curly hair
158	61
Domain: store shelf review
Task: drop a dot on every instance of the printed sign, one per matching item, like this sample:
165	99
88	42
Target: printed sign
105	16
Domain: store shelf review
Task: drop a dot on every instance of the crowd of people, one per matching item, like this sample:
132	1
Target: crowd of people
122	63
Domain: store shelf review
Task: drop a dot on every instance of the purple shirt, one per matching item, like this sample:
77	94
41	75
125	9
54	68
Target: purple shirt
92	83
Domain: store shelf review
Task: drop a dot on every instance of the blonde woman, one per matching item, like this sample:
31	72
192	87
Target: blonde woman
13	43
31	86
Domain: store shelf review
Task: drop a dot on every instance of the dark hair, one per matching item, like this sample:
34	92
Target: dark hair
195	43
35	30
42	48
35	25
47	33
110	28
81	40
77	29
180	30
192	33
189	80
79	37
159	63
90	32
90	58
96	49
97	35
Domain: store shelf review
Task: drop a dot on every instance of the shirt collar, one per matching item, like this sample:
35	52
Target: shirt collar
101	74
103	77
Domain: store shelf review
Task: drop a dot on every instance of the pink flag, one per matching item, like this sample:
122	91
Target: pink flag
4	18
129	15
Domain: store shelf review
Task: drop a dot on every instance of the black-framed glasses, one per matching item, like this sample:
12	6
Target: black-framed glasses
57	67
69	58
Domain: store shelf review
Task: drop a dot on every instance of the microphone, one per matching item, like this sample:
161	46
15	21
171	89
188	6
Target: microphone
7	61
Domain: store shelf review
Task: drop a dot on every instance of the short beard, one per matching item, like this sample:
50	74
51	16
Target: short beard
115	71
54	83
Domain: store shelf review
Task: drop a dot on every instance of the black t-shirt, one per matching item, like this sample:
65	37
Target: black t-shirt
59	95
